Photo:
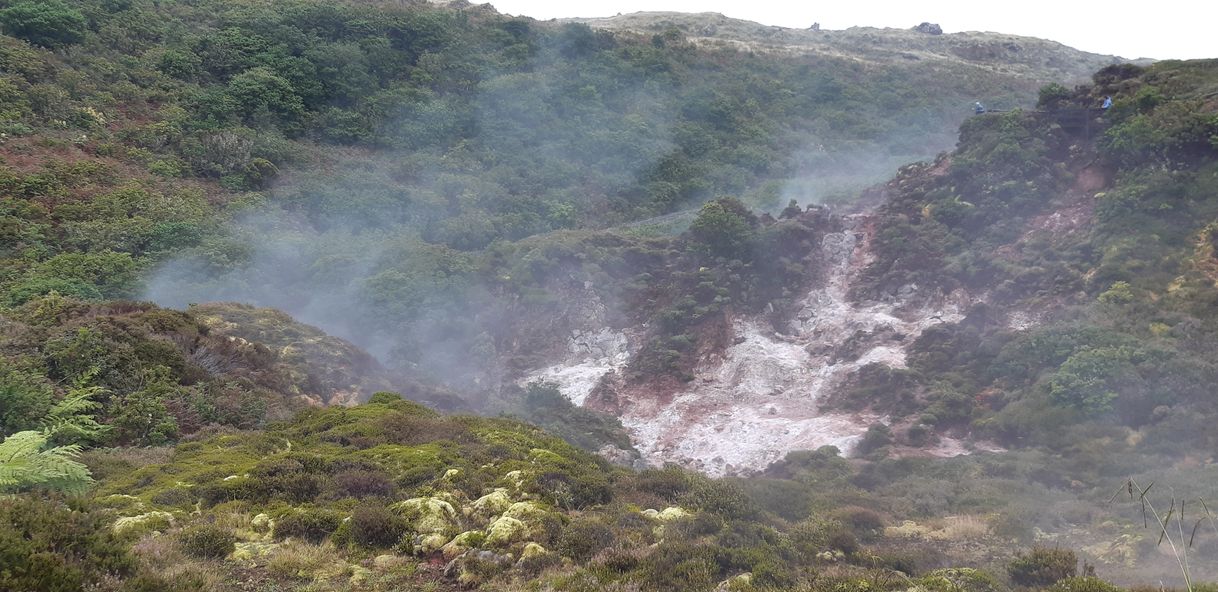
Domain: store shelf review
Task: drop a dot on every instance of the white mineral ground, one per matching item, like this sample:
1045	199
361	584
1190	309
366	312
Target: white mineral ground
762	398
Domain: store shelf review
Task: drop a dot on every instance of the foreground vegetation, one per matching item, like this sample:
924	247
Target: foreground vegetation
444	178
389	494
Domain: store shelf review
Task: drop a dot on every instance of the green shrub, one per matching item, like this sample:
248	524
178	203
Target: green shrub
25	398
376	527
174	496
311	524
865	523
361	484
1083	584
207	541
583	537
58	545
1042	566
48	23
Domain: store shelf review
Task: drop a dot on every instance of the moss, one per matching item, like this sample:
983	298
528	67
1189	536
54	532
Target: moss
249	551
526	511
143	523
463	542
262	524
431	543
533	551
428	516
667	514
505	531
493	503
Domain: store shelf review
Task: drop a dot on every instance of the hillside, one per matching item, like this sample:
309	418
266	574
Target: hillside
392	295
1009	55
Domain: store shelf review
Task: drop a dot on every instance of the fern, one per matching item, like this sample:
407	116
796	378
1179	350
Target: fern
71	420
26	463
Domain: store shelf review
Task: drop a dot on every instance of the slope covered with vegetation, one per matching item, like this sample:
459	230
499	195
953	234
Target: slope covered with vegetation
353	163
437	182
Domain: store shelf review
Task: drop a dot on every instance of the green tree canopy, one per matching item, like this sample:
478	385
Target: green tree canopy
47	23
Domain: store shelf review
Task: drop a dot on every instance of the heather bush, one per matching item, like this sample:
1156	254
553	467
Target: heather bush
207	541
311	524
1042	566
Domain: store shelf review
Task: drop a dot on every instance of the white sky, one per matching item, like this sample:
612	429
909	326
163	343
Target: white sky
1163	29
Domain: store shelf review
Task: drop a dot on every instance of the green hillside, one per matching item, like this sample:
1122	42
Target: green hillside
430	197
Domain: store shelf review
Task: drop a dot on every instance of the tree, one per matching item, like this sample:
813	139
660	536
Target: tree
47	23
1089	380
1053	96
725	228
260	93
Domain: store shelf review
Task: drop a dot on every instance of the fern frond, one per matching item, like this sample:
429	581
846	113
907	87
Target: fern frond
26	463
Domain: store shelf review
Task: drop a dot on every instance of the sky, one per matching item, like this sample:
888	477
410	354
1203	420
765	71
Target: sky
1164	29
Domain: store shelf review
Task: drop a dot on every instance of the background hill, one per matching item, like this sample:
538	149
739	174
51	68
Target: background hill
654	220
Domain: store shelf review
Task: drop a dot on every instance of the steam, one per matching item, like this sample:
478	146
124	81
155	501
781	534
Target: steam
358	249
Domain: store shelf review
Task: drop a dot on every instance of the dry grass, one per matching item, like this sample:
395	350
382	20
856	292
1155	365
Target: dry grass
162	555
950	528
298	560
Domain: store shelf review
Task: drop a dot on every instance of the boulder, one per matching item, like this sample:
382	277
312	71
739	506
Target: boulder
262	524
463	542
929	29
504	531
493	503
428	516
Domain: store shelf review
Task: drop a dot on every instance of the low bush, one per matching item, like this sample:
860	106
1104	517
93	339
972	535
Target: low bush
207	541
1042	566
376	527
312	524
583	537
50	544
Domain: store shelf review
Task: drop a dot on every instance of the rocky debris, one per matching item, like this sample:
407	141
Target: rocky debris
929	28
760	395
592	353
621	457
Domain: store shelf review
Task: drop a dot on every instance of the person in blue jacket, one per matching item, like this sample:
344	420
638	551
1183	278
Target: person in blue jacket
1107	103
978	108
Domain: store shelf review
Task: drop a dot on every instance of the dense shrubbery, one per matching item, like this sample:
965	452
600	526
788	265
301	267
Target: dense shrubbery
1133	266
207	541
1042	567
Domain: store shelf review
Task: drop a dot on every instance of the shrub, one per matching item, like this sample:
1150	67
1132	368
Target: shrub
361	483
207	541
863	522
1042	566
375	526
50	544
1083	584
725	228
1052	96
584	537
48	23
24	399
312	524
174	496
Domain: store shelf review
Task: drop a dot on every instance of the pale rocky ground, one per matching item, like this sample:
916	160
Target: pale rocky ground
761	398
